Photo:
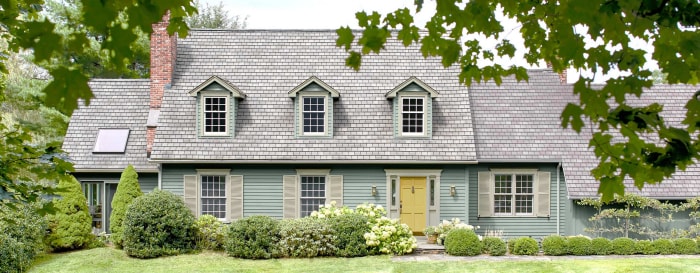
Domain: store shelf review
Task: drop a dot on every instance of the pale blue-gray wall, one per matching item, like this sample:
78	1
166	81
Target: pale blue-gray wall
147	181
536	227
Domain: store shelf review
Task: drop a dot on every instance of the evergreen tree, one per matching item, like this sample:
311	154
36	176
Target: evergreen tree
71	224
127	190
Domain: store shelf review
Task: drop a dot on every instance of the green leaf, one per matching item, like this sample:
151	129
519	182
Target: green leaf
345	38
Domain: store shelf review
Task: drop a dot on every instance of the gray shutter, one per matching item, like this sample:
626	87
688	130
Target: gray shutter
235	195
542	194
289	196
335	190
191	193
485	195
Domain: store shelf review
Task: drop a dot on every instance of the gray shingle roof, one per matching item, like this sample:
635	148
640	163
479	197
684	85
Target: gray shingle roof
118	103
520	122
266	65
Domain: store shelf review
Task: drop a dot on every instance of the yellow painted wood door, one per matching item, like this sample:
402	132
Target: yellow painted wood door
413	202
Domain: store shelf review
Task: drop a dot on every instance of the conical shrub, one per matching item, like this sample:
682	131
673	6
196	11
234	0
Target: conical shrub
127	190
71	224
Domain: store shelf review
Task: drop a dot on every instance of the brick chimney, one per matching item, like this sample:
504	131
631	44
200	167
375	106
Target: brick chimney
562	75
163	53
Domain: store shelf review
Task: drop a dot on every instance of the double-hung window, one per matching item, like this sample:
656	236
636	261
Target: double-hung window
213	195
314	115
215	115
413	108
313	193
513	194
412	115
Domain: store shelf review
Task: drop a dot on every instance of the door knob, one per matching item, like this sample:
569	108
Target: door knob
413	190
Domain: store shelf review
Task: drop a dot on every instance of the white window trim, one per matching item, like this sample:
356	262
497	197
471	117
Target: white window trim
513	172
311	172
326	101
411	94
202	117
226	173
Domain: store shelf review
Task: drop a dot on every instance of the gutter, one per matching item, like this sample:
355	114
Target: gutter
160	177
558	200
324	162
84	170
519	160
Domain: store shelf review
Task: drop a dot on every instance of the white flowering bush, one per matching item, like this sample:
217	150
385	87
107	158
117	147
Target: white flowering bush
330	211
446	226
388	236
372	211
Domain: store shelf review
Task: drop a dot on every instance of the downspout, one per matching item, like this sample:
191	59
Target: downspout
558	201
160	177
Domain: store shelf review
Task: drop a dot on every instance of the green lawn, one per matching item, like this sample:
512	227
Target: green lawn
112	260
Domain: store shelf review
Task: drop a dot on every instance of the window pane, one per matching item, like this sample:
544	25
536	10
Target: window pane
523	183
503	184
523	203
111	140
412	115
213	195
313	193
501	203
314	114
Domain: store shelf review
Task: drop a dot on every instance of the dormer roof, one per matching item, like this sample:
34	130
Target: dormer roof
217	84
412	80
313	80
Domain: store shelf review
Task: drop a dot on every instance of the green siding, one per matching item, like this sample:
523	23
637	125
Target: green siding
358	182
536	227
453	207
262	189
147	181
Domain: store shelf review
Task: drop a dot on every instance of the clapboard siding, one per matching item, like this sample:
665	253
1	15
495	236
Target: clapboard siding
453	207
147	181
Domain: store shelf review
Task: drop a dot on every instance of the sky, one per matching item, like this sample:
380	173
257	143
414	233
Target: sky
333	14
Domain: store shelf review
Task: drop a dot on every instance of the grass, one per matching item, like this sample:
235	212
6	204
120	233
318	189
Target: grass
112	260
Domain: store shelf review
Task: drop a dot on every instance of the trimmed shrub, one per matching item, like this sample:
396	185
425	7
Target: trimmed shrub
305	238
254	237
554	245
127	190
71	225
388	236
211	233
22	232
645	247
601	246
663	246
350	230
525	246
623	246
511	244
463	242
579	245
158	224
685	246
494	246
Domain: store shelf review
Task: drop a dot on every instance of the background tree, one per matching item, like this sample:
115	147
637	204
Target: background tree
128	189
557	32
215	16
71	225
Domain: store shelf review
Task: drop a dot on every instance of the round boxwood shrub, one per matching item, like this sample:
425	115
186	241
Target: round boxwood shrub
645	247
601	246
350	230
211	233
525	246
623	246
494	246
685	246
158	224
663	246
463	242
305	238
254	237
71	225
128	189
554	245
579	245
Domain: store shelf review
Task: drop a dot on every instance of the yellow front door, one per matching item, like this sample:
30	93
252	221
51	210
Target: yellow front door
413	202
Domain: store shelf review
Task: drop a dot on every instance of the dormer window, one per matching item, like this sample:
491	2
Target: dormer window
413	106
313	108
216	107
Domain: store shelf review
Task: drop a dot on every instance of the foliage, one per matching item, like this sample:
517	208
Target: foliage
555	245
331	211
253	237
128	190
373	212
596	36
663	246
214	16
645	247
158	224
463	242
622	246
579	245
388	236
306	238
525	246
349	231
601	246
211	233
430	230
446	226
494	246
22	232
622	216
71	225
685	246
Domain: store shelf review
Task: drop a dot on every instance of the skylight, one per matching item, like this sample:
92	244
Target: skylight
111	140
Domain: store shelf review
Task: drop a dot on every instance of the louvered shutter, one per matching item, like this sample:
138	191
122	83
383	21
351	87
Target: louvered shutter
289	196
235	198
485	195
191	193
335	190
542	194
